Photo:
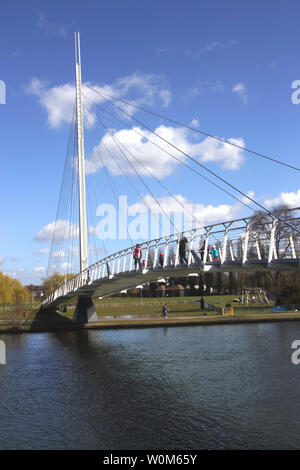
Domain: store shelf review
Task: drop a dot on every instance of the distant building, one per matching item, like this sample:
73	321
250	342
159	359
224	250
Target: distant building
175	291
160	291
37	291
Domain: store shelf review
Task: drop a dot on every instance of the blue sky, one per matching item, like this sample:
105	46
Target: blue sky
227	67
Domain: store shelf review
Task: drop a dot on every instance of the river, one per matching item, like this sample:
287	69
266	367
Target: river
201	387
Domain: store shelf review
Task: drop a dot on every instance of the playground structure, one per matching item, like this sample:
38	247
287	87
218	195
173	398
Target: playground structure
254	294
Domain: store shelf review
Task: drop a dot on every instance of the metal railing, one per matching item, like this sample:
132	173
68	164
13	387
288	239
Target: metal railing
238	241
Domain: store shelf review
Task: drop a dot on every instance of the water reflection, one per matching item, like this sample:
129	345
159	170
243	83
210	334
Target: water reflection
225	386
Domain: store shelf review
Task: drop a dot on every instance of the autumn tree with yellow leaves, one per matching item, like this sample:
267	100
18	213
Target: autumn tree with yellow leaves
12	291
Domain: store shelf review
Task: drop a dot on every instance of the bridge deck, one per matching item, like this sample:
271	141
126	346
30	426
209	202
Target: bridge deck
241	247
121	281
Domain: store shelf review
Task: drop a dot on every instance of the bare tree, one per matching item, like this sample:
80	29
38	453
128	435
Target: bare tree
286	232
286	226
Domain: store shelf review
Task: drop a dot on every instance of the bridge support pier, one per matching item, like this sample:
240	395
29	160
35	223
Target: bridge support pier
85	311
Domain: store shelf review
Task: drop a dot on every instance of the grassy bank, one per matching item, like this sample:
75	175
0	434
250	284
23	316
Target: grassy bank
133	312
12	315
176	306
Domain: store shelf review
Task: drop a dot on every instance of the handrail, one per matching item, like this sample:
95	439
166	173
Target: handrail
203	233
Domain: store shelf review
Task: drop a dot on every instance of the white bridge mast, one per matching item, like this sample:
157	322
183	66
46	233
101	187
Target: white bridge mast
81	170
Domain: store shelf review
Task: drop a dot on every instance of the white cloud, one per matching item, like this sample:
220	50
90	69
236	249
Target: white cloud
168	204
202	87
43	251
250	194
291	199
59	254
73	251
195	123
66	266
158	161
10	273
221	213
36	87
241	90
211	46
49	27
58	101
154	159
64	228
204	215
230	157
165	96
39	269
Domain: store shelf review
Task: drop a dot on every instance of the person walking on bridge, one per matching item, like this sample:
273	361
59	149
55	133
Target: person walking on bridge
202	251
215	253
182	249
137	256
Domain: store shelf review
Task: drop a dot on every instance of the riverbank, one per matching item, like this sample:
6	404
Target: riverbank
60	323
116	313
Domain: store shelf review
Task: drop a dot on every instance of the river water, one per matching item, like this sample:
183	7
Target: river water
215	387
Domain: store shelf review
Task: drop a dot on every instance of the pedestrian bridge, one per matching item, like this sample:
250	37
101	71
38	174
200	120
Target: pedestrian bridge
246	244
259	243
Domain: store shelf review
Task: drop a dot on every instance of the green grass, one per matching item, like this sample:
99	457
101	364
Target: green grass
142	311
177	306
14	313
141	307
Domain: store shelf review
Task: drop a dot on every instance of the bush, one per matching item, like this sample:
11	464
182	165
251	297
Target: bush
289	295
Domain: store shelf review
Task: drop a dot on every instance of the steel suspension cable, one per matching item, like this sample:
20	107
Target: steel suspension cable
173	156
129	181
254	152
137	173
111	186
54	235
198	163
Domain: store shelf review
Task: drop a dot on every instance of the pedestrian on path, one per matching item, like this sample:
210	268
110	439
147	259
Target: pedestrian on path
164	311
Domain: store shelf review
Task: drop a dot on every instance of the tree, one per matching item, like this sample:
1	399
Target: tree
55	280
289	295
12	291
208	281
233	284
150	258
219	282
261	224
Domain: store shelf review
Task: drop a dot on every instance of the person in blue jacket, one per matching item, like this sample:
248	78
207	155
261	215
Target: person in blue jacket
215	253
